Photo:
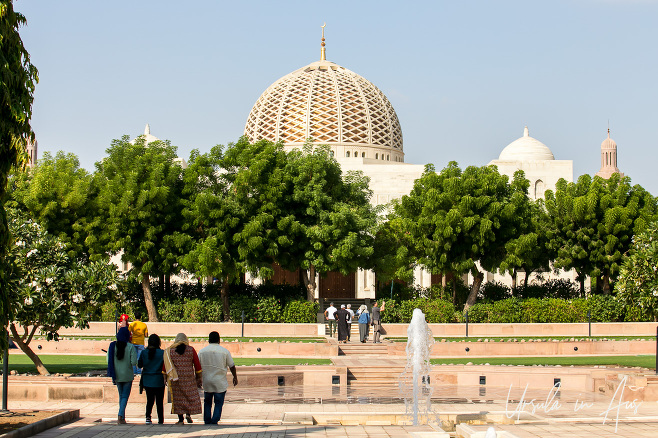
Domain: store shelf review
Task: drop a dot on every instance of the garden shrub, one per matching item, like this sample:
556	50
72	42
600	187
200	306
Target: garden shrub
494	291
108	311
506	311
194	310
436	311
391	312
301	311
268	309
479	312
170	311
238	304
214	310
605	308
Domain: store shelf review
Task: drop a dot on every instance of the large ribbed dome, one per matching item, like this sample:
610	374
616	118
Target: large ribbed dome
333	106
526	148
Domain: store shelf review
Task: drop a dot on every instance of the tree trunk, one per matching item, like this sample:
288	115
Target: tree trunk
28	351
606	284
514	279
167	285
581	280
473	294
309	283
148	298
225	304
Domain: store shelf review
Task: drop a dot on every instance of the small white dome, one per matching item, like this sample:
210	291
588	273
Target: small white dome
526	148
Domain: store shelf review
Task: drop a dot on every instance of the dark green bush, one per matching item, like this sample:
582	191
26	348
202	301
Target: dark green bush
108	311
605	308
242	303
214	310
494	291
436	311
391	313
170	311
194	310
300	311
268	309
479	312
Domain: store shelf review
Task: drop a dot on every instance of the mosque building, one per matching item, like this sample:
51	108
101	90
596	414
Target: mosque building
331	105
327	104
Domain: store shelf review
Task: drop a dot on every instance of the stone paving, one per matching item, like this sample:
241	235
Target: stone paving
270	412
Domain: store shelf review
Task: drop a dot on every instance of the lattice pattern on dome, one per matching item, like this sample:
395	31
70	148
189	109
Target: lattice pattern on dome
329	103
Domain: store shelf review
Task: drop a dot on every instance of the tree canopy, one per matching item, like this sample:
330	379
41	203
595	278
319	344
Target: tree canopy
48	289
58	193
459	220
140	209
637	285
18	79
592	223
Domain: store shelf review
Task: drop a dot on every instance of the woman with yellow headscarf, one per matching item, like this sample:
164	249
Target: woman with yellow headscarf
183	370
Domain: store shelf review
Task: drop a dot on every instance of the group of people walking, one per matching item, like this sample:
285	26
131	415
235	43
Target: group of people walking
340	321
177	367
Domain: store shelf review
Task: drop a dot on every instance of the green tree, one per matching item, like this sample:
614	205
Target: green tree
58	193
48	289
212	218
529	252
18	78
637	285
593	221
459	219
326	222
139	209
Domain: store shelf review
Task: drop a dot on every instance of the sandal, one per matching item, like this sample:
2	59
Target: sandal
188	418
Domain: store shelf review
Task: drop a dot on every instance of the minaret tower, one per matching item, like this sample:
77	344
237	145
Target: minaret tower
31	149
608	158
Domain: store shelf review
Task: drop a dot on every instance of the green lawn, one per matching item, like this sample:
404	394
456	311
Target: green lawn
81	364
644	361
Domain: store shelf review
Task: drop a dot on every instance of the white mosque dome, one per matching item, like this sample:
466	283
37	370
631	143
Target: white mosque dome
333	106
526	148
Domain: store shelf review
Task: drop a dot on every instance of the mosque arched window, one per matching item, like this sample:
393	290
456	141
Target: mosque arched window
347	154
356	154
332	154
388	158
376	156
539	189
363	154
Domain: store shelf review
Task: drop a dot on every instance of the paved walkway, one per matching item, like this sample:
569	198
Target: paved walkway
289	412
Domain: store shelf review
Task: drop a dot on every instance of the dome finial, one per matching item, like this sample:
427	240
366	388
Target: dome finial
147	129
525	132
323	51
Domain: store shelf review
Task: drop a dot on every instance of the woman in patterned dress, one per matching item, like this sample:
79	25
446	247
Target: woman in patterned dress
181	364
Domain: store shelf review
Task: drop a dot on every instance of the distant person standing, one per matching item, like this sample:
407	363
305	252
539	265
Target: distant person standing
349	321
364	321
151	361
376	321
121	358
139	333
215	361
341	320
329	314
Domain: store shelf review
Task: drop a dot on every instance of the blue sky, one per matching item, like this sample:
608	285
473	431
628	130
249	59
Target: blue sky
464	77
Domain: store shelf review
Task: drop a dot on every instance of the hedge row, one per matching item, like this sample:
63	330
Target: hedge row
601	308
266	309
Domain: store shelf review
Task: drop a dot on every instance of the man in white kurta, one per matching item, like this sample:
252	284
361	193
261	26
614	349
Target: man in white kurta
215	362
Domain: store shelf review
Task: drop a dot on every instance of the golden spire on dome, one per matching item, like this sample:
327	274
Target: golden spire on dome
323	51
